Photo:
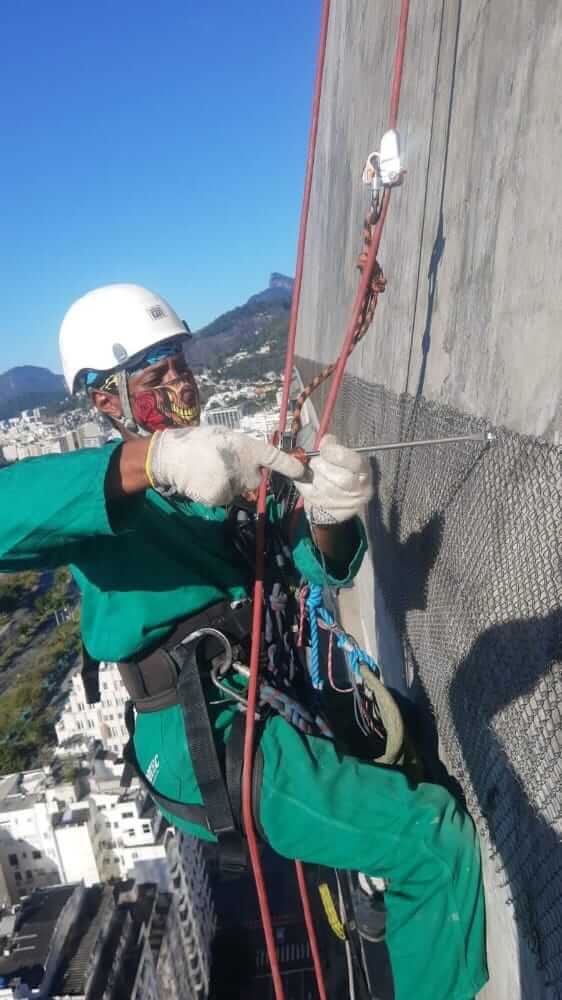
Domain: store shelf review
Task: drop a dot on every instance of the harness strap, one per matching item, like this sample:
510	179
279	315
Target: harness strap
205	761
151	678
183	810
90	677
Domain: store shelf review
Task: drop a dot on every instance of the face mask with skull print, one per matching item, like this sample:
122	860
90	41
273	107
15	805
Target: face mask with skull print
173	404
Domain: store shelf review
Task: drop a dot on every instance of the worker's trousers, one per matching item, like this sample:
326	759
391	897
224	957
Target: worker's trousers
334	810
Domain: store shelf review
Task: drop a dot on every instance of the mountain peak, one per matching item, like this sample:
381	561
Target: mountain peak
277	280
26	386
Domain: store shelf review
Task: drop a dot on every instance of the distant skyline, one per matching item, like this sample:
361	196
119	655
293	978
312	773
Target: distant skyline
160	145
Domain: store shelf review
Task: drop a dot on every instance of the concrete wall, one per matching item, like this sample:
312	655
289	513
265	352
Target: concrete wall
472	249
472	313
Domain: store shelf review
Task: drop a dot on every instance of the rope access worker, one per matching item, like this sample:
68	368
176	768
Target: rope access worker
145	524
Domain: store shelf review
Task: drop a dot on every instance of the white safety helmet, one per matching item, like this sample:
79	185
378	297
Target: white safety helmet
109	325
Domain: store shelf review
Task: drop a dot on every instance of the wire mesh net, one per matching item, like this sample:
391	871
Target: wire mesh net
466	550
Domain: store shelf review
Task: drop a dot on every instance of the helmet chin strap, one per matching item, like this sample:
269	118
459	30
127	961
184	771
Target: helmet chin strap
128	421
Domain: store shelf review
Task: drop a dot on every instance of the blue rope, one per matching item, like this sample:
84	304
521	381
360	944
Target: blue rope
355	655
314	605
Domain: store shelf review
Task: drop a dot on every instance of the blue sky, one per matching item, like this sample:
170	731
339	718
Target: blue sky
158	143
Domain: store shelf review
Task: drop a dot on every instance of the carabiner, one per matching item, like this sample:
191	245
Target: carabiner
200	632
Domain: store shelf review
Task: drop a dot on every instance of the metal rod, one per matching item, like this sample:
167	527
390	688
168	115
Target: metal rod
484	438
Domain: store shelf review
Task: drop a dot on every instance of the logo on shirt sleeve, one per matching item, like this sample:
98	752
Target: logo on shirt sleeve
153	769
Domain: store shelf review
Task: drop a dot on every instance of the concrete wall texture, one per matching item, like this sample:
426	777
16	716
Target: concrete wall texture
468	334
472	247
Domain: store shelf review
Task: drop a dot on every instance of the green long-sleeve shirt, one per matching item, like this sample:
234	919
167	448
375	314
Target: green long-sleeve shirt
140	567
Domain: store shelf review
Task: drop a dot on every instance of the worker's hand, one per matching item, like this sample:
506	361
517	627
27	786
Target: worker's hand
212	465
340	484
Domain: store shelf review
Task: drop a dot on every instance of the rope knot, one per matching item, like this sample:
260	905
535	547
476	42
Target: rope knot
378	282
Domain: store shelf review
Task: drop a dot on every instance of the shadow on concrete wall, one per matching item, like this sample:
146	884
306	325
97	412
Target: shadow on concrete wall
527	850
402	570
533	644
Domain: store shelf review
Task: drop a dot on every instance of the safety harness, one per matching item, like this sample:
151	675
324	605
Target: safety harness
202	650
206	647
174	674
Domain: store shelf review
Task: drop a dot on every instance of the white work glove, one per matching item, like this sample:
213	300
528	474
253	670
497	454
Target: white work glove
212	465
340	485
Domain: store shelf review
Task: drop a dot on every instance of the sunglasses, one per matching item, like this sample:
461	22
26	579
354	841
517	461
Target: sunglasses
104	381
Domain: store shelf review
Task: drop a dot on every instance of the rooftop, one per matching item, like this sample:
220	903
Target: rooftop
19	800
76	817
35	924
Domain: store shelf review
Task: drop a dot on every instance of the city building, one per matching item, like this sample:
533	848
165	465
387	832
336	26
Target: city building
262	424
33	434
123	830
75	846
33	940
97	943
29	856
124	941
184	966
88	829
102	721
224	416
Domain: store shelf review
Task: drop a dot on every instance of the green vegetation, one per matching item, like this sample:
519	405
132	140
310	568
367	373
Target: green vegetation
67	405
68	771
256	366
26	724
265	402
225	323
21	589
16	588
56	596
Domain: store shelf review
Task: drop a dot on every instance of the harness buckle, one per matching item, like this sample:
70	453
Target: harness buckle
218	670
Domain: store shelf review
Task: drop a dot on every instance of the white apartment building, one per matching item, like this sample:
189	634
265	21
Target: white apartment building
103	721
122	833
262	424
184	964
110	832
72	833
88	831
91	435
29	437
29	856
225	416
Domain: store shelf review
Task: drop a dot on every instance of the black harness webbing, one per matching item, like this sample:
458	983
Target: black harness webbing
189	813
151	678
176	675
172	675
205	761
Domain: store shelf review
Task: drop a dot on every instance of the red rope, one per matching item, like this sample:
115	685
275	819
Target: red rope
258	588
311	931
399	63
362	291
368	270
249	746
292	336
